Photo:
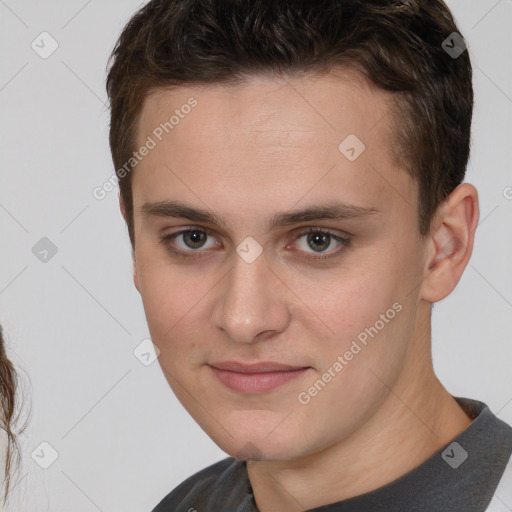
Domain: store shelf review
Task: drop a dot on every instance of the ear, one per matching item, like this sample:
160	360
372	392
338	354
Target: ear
123	213
450	243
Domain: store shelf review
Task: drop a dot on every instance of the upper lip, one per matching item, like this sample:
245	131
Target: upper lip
262	366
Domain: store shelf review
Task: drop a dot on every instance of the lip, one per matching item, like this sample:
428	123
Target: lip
262	366
255	377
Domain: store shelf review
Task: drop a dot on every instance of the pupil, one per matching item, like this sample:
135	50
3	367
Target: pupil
197	239
319	237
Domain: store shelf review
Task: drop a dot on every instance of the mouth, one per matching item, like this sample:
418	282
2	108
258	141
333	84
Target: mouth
256	377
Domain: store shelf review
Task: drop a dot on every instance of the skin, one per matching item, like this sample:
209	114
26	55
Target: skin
267	146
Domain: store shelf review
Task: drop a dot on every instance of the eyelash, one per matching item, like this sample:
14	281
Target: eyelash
345	242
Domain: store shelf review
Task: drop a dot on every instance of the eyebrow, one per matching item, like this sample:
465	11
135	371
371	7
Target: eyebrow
330	211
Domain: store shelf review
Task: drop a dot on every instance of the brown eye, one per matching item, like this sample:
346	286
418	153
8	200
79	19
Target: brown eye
192	241
319	240
194	238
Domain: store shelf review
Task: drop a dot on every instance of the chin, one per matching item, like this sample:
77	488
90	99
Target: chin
260	446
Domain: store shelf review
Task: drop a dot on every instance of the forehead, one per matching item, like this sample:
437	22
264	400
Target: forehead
270	139
322	104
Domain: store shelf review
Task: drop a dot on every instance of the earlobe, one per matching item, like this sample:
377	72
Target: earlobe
451	243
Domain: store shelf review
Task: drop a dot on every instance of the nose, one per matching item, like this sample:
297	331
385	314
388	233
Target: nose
252	301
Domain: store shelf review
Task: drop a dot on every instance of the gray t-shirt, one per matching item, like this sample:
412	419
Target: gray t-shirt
461	477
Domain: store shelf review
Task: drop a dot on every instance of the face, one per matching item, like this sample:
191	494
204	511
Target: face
271	274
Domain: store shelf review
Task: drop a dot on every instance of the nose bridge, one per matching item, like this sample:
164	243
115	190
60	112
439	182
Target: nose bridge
249	304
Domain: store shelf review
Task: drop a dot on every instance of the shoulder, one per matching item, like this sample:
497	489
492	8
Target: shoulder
502	499
204	487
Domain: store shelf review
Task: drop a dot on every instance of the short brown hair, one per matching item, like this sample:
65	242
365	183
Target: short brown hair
396	45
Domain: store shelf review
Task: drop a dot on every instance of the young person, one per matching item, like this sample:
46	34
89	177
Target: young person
291	175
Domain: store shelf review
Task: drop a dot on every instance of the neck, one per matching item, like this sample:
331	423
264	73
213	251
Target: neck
372	457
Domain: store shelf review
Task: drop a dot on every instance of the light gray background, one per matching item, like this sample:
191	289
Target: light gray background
123	439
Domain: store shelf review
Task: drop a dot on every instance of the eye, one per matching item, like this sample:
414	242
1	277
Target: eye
193	241
320	239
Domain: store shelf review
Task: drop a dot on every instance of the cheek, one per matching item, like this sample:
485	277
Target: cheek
170	296
369	319
372	325
353	301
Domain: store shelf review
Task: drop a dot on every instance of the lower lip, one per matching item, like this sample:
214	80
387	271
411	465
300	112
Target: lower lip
256	382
